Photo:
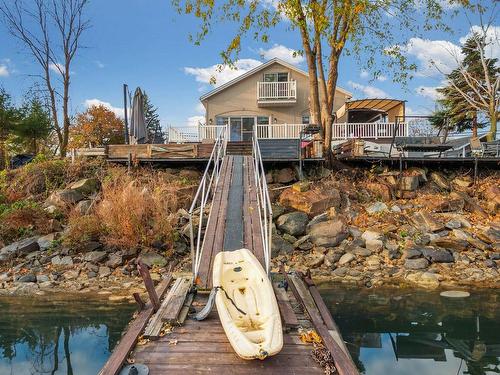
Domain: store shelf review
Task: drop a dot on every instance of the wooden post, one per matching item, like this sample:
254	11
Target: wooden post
140	302
153	297
125	113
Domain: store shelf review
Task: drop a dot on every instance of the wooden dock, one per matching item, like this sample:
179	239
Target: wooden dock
165	337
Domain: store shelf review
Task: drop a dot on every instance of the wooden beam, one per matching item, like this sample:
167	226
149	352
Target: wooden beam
144	272
176	301
343	363
155	324
129	339
287	315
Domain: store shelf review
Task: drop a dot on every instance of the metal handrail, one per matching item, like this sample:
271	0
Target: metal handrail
263	201
203	194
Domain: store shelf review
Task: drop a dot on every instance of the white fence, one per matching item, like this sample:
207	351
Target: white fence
372	130
276	90
280	131
178	135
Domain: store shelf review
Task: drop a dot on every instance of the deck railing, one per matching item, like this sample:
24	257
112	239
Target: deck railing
279	131
276	90
263	201
210	131
373	130
180	135
203	195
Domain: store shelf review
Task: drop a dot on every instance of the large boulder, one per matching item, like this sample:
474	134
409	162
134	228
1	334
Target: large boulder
409	183
83	207
425	221
451	243
293	223
95	256
25	246
284	176
87	186
312	202
46	241
416	264
437	255
63	198
152	259
328	233
280	246
469	204
380	190
440	180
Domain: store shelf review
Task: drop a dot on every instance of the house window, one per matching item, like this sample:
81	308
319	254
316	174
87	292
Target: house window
221	120
276	77
305	119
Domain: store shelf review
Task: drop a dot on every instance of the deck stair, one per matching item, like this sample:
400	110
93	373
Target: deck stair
239	148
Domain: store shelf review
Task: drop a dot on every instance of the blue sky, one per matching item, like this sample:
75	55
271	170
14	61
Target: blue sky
145	43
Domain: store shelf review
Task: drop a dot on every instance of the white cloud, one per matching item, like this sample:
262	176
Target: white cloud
200	108
4	70
492	48
222	74
365	74
433	56
368	91
428	92
284	53
99	64
194	120
91	102
57	67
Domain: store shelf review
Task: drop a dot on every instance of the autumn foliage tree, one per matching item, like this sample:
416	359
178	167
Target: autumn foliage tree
97	126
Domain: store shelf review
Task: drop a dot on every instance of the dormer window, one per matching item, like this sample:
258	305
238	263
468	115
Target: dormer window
276	77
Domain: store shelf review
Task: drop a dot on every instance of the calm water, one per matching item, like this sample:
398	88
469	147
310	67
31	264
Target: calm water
74	335
390	331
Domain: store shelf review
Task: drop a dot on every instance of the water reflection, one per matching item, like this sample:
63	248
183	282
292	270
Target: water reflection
58	336
390	331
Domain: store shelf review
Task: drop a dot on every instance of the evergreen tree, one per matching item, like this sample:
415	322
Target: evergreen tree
8	118
469	80
153	126
34	125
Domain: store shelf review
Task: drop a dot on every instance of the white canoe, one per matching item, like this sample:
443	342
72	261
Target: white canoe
247	305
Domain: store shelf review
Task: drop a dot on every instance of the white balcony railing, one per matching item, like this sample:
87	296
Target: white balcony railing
371	130
280	131
277	90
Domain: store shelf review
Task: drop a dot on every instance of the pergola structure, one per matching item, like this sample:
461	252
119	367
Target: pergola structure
371	110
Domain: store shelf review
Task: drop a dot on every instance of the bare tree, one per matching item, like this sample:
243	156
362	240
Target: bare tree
476	79
51	31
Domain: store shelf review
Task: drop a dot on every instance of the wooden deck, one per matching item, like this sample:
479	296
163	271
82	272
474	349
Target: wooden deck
203	348
194	347
234	221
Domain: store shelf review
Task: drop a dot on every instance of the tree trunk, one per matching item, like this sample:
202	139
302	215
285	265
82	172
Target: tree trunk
492	135
474	125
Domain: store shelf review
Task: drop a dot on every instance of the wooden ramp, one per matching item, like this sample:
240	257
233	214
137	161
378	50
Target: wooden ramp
234	221
203	348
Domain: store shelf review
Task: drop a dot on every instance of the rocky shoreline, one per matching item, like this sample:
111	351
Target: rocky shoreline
376	228
368	227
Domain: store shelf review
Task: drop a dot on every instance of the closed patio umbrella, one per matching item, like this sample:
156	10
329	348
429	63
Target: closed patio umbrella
138	132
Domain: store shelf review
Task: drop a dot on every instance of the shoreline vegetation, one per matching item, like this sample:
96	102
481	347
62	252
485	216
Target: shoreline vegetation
81	227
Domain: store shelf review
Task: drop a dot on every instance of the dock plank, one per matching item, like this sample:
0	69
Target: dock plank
176	301
129	339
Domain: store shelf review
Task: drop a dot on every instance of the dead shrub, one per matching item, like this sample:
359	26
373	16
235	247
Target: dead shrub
23	221
133	213
134	210
83	229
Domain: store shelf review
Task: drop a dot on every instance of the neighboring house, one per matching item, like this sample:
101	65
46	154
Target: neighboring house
272	99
